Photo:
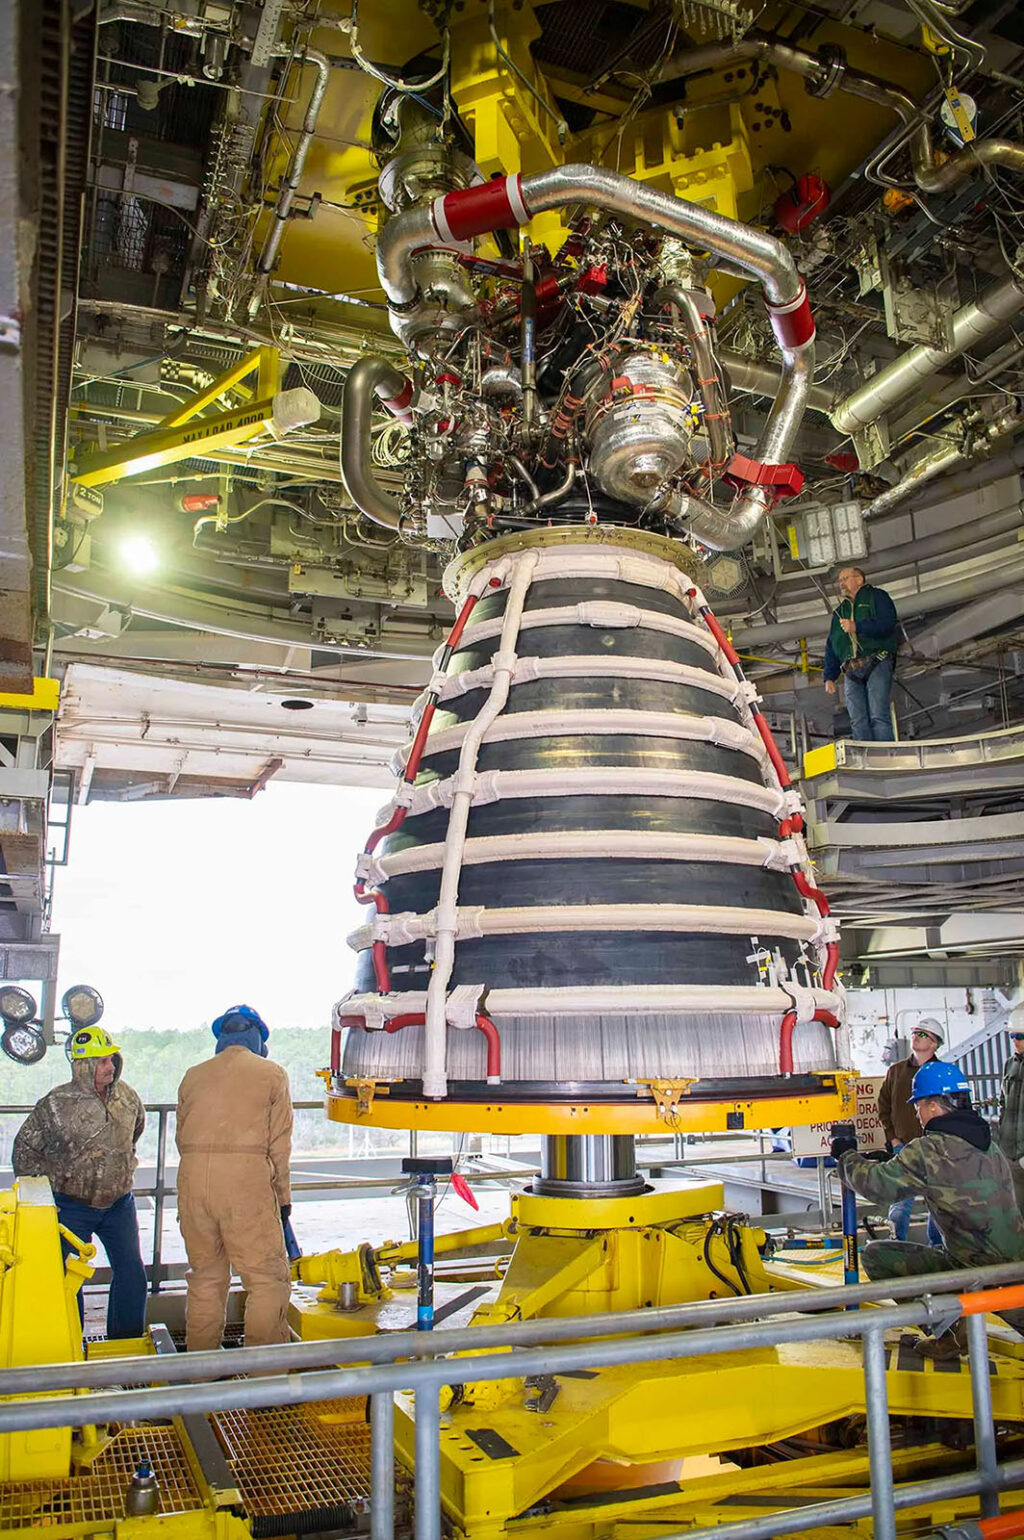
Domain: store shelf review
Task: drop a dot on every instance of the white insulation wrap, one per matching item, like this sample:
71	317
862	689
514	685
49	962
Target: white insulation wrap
597	852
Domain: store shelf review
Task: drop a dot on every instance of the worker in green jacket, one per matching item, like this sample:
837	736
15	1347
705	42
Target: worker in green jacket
1011	1108
862	643
964	1179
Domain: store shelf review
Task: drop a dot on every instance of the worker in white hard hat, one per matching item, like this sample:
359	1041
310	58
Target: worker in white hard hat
899	1118
1010	1133
83	1135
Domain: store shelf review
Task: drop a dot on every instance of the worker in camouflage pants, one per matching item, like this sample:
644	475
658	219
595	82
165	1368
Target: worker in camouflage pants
964	1179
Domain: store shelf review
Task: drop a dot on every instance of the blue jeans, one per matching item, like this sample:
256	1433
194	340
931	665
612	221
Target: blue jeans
867	701
899	1218
117	1230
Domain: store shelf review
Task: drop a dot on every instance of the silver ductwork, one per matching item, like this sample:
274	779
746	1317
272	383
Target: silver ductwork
970	446
972	324
514	201
369	378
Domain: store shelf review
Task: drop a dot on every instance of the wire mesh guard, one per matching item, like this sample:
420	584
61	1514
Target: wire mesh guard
298	1459
97	1496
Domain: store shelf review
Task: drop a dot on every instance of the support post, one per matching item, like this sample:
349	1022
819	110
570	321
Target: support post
159	1201
984	1424
876	1402
824	1195
428	1463
382	1465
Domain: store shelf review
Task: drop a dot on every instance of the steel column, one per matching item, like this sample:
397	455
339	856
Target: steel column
984	1424
159	1199
382	1465
876	1401
428	1462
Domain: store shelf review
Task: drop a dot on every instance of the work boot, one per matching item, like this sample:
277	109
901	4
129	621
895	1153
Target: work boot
951	1345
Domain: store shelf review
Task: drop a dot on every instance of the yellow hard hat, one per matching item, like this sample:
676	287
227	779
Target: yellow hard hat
91	1043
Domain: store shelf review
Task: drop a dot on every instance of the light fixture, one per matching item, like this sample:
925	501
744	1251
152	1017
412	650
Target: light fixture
139	554
22	1043
16	1004
82	1005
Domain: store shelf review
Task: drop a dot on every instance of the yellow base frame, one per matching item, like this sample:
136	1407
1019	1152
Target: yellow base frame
666	1105
658	1434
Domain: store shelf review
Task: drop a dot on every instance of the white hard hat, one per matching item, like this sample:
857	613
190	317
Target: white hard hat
929	1024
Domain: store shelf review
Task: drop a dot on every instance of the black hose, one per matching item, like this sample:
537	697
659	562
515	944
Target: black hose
713	1229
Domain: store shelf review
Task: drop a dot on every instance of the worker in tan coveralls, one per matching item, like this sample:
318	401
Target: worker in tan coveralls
234	1137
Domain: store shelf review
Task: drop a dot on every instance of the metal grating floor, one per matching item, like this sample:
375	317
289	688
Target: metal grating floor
294	1459
98	1494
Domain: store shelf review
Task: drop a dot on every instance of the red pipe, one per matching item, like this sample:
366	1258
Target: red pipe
335	1050
767	738
828	978
807	889
366	895
786	1029
490	1032
792	825
410	1019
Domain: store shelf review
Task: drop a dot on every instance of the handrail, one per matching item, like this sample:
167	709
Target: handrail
394	1347
434	1373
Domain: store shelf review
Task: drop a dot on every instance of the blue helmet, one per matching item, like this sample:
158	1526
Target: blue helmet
240	1018
937	1078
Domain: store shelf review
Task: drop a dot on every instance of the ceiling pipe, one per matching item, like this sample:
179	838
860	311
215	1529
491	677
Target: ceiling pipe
290	183
971	445
754	378
982	474
972	324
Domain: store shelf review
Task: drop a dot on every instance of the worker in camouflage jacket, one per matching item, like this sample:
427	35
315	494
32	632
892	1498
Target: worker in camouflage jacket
82	1136
1011	1108
964	1179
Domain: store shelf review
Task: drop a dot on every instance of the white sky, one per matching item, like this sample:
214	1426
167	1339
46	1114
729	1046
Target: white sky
176	910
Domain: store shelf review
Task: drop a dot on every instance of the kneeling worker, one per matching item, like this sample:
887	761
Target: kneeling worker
234	1137
964	1179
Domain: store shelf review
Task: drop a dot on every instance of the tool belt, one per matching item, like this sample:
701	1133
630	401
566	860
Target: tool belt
863	667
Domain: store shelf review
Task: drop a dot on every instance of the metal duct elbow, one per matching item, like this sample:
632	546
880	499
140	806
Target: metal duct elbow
368	378
934	178
720	529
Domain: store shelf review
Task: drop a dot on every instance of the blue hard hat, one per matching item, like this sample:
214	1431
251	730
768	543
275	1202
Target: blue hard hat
239	1018
937	1078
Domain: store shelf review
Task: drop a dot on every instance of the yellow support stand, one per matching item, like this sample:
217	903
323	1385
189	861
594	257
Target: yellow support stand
39	1321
